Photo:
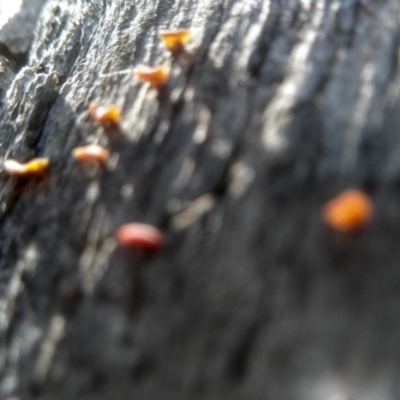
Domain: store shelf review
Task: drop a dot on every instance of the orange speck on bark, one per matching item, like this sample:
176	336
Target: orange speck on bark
175	39
140	236
351	211
156	76
35	167
91	153
105	115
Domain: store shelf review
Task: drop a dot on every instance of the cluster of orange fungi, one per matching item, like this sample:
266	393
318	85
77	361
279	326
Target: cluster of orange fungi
174	40
137	235
351	211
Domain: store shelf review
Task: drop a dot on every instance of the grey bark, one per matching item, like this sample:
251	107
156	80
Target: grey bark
276	107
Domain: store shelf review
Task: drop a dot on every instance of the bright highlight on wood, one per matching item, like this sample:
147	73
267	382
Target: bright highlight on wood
140	236
105	115
91	153
351	211
175	39
35	167
156	76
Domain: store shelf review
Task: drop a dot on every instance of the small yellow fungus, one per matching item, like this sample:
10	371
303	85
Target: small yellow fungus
175	40
35	167
91	153
156	76
105	115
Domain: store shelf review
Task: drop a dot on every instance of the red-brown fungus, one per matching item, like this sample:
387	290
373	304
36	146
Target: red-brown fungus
175	40
156	76
35	167
351	211
140	236
91	153
105	115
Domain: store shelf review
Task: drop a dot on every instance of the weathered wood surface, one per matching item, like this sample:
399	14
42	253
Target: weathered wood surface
282	105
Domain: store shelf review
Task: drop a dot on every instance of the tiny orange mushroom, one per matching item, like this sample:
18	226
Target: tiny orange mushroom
350	212
156	76
91	153
140	236
35	167
105	115
175	40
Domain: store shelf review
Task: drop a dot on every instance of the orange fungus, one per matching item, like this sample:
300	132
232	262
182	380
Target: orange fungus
91	153
156	76
350	211
105	115
140	236
175	39
35	167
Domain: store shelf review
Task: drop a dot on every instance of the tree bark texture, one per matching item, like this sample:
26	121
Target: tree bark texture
275	107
